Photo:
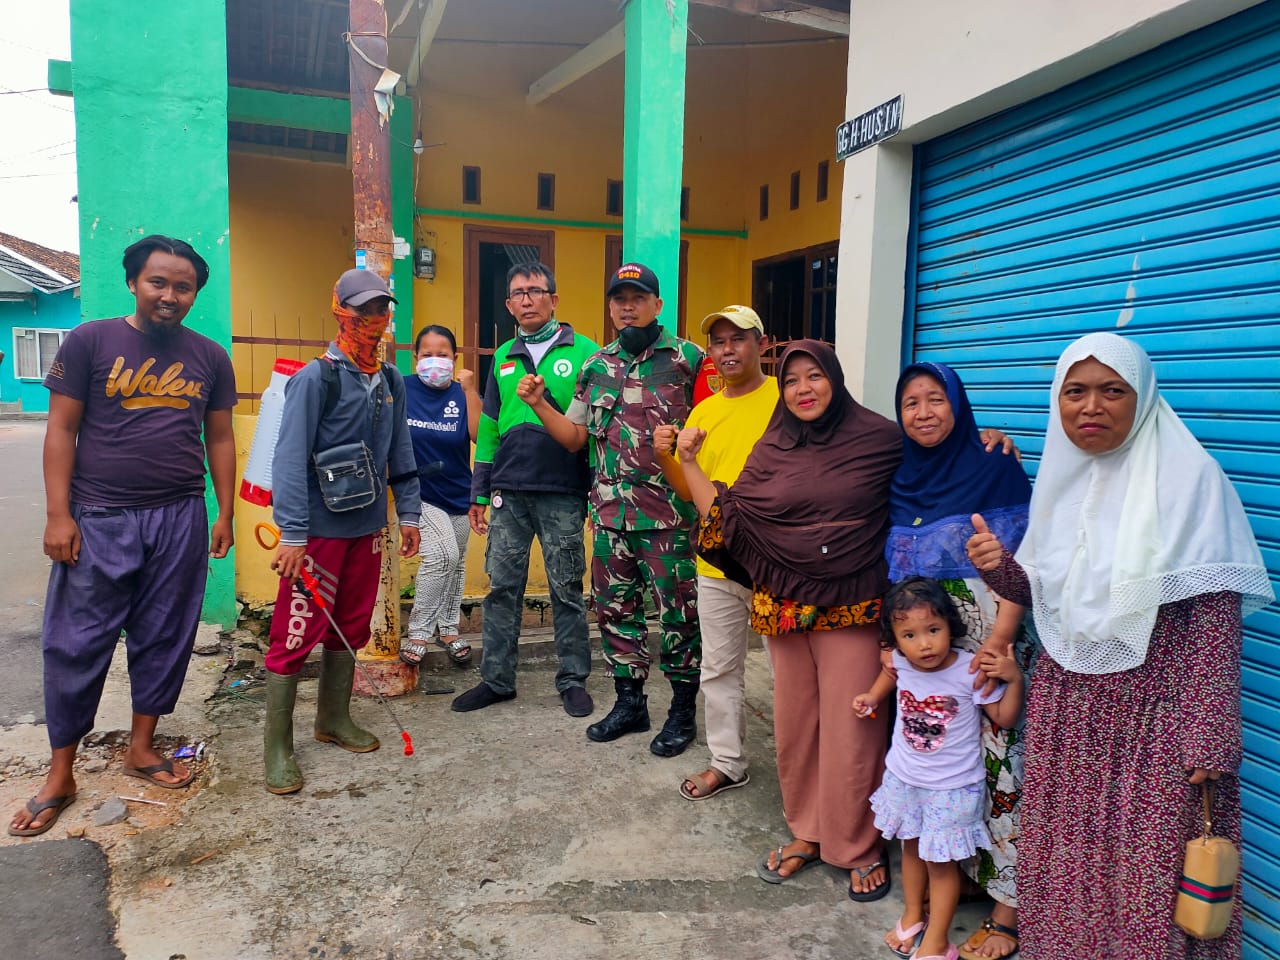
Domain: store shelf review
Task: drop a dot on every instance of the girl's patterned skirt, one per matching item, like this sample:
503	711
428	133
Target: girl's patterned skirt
948	823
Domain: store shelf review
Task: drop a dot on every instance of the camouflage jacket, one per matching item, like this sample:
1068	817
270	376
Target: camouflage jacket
621	399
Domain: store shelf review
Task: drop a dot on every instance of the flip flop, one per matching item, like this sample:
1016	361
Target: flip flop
459	650
722	783
164	766
412	651
771	875
877	893
913	934
35	808
951	954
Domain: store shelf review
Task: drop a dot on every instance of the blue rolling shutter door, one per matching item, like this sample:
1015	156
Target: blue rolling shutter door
1143	200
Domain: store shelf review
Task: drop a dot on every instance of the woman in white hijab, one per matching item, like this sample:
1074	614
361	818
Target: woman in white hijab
1138	564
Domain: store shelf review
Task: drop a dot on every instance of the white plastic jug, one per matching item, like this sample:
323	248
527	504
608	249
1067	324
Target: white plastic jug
256	485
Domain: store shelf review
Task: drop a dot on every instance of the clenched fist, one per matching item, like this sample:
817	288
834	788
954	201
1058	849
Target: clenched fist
664	438
689	443
531	389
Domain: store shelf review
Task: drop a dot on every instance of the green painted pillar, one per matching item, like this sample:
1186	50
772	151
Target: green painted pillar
653	142
150	89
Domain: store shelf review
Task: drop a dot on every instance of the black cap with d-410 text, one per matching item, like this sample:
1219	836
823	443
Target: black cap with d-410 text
635	275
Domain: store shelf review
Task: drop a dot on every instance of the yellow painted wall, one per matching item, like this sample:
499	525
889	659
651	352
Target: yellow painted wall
718	276
291	225
800	102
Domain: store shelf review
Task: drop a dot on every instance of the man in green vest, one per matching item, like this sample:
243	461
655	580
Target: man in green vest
531	486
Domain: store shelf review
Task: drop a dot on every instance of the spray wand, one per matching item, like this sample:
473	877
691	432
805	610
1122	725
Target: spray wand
309	587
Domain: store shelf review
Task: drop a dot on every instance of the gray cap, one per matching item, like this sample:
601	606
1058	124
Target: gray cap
358	287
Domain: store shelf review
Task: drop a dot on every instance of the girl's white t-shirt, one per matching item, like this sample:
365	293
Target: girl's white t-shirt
937	736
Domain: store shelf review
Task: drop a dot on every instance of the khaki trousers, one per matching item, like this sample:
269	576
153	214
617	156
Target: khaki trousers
724	611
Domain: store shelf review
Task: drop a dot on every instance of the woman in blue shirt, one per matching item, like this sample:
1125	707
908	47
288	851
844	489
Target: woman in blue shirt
443	415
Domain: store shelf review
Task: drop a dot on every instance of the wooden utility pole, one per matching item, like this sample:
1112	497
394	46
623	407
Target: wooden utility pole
370	136
371	190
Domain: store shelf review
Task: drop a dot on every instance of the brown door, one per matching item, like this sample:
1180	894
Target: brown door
613	260
488	254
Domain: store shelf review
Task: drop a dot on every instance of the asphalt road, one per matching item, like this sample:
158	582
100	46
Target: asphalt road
55	904
24	570
55	900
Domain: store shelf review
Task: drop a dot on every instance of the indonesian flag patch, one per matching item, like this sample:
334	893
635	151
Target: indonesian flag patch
506	368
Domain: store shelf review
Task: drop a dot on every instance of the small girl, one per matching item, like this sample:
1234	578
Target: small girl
933	793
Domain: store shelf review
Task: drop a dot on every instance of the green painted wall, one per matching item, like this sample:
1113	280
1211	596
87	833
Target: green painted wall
150	88
653	141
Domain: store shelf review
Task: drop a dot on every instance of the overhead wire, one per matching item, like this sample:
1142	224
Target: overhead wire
28	96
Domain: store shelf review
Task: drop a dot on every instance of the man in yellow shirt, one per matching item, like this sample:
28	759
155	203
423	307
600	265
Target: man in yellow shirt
734	419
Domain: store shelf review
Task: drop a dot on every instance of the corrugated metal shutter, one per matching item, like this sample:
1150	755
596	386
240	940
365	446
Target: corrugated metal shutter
1144	200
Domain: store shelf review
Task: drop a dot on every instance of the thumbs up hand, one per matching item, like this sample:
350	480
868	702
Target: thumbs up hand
983	548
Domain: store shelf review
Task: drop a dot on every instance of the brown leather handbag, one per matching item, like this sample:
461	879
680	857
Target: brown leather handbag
1206	892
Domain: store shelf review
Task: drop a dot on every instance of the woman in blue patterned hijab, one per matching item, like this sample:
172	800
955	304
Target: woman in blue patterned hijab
946	476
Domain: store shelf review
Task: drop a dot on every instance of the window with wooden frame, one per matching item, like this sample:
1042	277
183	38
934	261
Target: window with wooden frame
34	350
613	198
795	190
470	184
824	172
684	205
546	191
764	201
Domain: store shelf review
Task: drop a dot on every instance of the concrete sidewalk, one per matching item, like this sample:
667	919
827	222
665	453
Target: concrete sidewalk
508	834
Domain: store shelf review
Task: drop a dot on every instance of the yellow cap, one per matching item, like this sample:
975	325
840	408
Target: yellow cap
740	316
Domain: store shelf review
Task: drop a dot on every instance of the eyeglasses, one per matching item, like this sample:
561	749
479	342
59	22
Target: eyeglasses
533	293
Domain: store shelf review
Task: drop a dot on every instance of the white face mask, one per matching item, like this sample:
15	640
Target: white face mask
435	372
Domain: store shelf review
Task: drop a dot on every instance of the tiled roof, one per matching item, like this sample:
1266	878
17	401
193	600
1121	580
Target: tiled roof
55	269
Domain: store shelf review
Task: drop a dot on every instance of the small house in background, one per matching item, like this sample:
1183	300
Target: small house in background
39	303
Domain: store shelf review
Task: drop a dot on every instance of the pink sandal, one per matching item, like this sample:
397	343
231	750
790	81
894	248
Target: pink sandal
913	935
951	954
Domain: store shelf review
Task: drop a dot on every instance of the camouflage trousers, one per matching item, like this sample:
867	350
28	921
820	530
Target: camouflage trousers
625	564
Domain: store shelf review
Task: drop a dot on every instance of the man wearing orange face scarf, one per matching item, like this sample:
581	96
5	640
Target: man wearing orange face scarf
343	441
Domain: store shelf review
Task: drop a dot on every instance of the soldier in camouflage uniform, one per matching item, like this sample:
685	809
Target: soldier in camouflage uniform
641	381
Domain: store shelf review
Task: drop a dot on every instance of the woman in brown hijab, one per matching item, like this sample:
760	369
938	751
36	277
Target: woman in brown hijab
805	526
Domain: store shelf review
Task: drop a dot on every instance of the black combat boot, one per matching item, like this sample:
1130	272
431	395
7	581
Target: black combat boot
682	720
630	713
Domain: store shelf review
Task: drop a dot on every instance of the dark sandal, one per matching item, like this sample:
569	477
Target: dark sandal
771	875
35	808
458	649
164	766
699	781
876	893
412	651
984	933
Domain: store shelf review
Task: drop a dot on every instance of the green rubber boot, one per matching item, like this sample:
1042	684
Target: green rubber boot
282	773
333	705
